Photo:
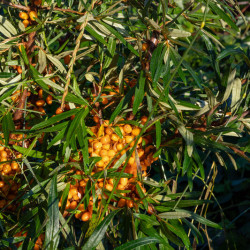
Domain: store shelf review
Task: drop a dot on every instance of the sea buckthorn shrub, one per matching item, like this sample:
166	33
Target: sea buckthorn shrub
121	122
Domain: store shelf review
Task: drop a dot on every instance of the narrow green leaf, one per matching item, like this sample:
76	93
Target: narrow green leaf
56	119
99	232
139	92
111	51
223	15
52	228
139	242
120	37
95	35
65	196
7	126
123	104
158	134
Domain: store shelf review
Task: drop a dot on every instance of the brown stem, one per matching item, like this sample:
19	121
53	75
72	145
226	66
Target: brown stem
19	112
16	6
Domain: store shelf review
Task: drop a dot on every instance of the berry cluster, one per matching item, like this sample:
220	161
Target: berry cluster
9	168
38	244
109	146
28	18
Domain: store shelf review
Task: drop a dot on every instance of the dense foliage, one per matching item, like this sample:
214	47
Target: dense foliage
124	124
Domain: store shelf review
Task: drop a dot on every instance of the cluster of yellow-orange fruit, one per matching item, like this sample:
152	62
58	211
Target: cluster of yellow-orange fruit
109	96
9	168
110	147
38	244
28	18
38	100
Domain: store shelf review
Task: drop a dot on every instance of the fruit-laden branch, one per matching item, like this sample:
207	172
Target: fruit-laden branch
21	7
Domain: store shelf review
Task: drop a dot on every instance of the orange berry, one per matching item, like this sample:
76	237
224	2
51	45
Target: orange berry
26	23
131	160
109	131
111	181
59	111
124	181
33	15
40	103
103	152
150	209
121	203
100	164
140	153
136	131
109	187
19	70
7	168
81	207
119	146
49	99
73	191
94	154
127	129
82	183
96	119
105	159
129	203
40	93
37	2
105	139
144	46
97	145
111	153
120	187
23	15
14	165
106	146
100	184
114	137
129	139
3	154
78	215
85	216
104	100
144	120
2	184
73	205
76	197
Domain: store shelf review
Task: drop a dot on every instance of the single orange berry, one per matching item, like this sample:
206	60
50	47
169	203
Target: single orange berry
40	103
144	46
19	70
144	120
85	216
49	99
114	137
121	203
33	15
105	139
96	119
127	129
59	111
26	23
23	15
129	203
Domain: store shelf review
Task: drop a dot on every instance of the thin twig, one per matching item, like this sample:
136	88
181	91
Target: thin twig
78	40
16	6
